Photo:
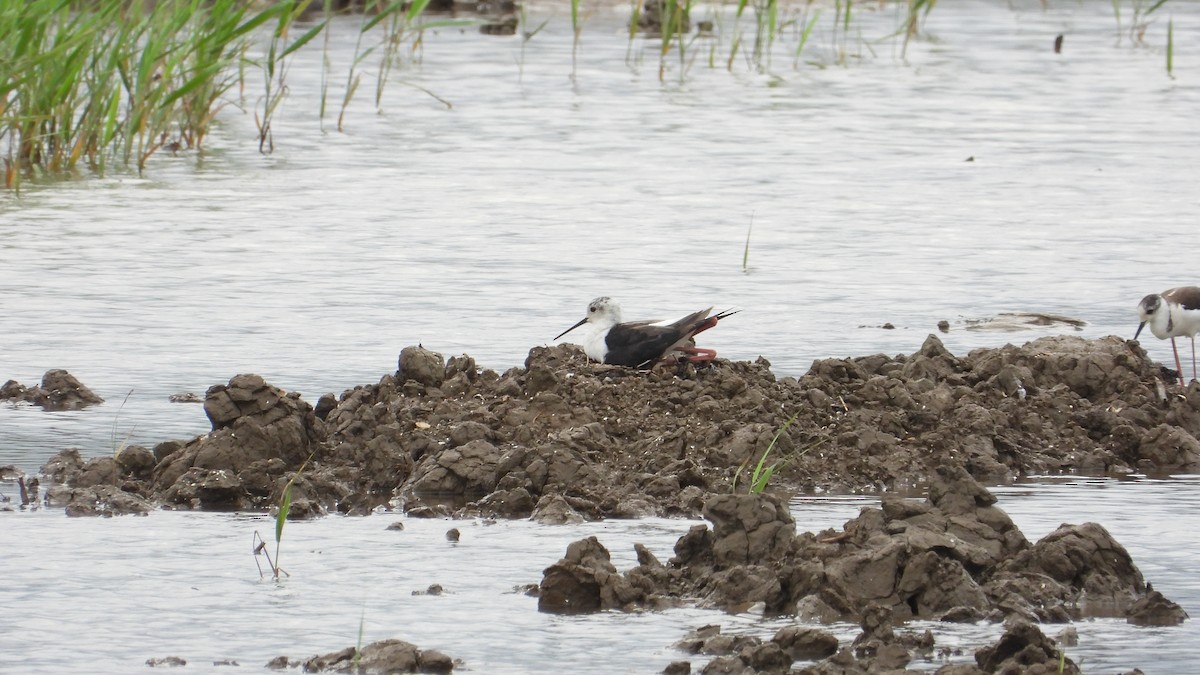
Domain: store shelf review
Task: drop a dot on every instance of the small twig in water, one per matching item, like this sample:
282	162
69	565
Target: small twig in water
117	449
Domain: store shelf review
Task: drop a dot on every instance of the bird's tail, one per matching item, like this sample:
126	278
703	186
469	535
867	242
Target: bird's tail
712	320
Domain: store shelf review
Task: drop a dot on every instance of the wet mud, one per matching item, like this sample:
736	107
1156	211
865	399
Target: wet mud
564	440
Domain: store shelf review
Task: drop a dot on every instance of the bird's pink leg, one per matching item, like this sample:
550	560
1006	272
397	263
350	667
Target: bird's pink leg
1194	358
1178	365
699	354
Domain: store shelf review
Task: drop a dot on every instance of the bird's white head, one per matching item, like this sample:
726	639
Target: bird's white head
1148	308
602	313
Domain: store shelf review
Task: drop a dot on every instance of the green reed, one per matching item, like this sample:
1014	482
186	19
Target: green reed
746	250
766	29
281	516
842	12
396	24
395	32
676	17
917	11
805	33
1170	47
88	84
274	66
576	33
526	36
1141	16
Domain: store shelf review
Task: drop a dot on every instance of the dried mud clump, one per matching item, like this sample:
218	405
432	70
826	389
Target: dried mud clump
260	433
59	390
385	656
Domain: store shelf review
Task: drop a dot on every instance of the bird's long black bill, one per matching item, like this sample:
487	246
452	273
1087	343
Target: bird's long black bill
581	322
1137	333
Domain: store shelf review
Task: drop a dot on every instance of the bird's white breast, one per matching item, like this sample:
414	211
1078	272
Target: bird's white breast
594	344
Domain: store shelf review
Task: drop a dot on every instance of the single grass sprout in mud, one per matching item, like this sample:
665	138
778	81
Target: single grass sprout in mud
761	476
285	507
354	663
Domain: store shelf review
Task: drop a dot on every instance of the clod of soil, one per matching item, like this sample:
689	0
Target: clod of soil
59	390
385	656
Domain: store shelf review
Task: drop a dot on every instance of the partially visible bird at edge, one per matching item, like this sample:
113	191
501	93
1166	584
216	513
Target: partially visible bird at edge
1171	314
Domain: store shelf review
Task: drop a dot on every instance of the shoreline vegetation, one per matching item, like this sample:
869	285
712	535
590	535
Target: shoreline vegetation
92	87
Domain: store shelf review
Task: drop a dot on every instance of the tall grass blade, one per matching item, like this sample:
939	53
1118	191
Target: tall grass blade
805	33
746	250
1171	47
305	39
362	620
576	30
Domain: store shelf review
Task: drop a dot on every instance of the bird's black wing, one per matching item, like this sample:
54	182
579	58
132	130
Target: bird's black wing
1187	296
638	344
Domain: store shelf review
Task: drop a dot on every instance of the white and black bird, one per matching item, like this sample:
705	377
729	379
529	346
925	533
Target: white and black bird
640	344
1171	314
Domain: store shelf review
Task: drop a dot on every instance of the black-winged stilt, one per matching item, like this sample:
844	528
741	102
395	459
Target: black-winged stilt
1171	314
640	344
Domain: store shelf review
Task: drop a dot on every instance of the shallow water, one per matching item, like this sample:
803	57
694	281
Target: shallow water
104	595
486	228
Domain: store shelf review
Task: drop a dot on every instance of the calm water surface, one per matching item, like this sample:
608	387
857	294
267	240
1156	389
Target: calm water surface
105	595
486	228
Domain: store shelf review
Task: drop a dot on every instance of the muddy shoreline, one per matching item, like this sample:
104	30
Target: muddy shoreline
565	440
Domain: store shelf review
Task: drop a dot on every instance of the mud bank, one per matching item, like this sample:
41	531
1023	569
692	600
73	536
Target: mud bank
564	439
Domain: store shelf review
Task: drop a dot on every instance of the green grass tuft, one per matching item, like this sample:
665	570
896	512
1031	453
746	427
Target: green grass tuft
763	472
